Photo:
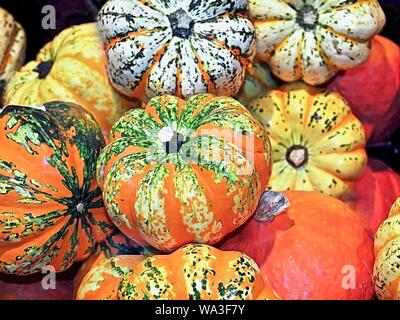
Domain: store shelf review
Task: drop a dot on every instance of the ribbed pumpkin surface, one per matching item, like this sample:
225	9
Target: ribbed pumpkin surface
71	68
51	210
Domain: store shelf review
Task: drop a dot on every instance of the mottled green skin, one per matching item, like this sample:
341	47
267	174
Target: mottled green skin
45	131
139	128
194	272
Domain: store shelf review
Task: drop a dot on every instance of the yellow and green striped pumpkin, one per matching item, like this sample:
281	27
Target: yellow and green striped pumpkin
317	142
70	68
387	253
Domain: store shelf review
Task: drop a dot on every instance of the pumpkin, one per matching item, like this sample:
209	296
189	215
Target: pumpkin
12	47
308	246
317	143
200	272
312	40
180	48
115	244
180	171
257	81
193	272
387	264
372	89
51	210
374	193
71	68
100	281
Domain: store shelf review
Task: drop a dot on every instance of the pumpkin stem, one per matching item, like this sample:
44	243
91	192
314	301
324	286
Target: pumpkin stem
307	17
44	68
297	156
172	140
80	207
271	204
181	24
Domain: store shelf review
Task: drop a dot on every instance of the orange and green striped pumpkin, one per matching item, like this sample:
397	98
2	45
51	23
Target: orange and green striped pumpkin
70	68
193	272
99	279
317	142
12	48
115	244
180	48
51	210
180	171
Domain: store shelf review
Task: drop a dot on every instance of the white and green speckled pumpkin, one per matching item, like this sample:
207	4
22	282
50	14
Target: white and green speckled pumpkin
313	39
182	48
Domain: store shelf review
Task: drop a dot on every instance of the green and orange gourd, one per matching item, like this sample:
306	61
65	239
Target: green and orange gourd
193	272
51	210
180	171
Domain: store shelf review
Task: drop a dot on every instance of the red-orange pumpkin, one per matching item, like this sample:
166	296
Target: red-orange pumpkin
375	192
373	89
311	249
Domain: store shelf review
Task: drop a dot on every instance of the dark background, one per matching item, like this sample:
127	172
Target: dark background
70	12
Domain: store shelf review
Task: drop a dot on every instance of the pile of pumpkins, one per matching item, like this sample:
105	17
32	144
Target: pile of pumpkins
203	150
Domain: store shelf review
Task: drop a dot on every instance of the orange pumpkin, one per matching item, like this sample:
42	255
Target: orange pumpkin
374	193
180	171
315	247
101	280
115	244
373	89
